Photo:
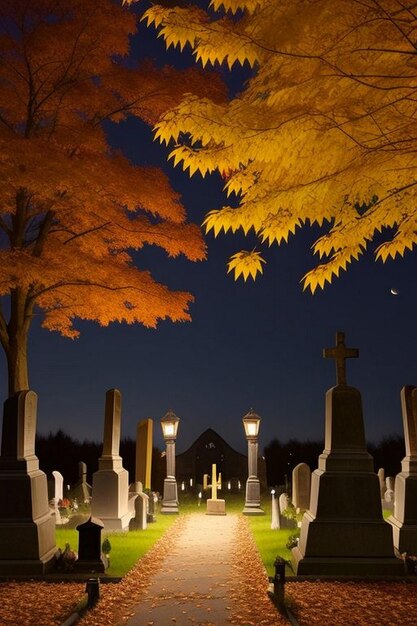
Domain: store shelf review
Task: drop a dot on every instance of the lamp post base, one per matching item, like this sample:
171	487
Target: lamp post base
253	497
170	498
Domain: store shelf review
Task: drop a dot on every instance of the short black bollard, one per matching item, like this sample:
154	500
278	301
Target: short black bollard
279	580
92	589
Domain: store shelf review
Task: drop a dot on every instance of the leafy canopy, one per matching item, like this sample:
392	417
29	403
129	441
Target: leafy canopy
72	209
324	132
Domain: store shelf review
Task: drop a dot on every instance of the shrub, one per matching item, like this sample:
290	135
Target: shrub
292	541
106	546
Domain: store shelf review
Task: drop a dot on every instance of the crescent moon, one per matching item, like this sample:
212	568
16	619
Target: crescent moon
394	292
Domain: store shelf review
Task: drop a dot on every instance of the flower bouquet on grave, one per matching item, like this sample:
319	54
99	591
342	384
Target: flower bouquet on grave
66	559
64	507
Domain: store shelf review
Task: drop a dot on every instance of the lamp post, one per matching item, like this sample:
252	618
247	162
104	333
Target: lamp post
252	506
169	425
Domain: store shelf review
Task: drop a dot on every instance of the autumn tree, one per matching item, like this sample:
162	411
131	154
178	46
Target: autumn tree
73	210
324	132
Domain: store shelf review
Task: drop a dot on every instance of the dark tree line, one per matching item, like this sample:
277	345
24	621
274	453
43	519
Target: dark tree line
281	458
58	451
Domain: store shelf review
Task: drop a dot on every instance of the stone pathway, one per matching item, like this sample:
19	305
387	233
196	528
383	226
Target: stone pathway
193	586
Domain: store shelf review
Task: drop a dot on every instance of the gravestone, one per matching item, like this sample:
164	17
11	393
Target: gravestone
343	532
284	503
153	499
301	480
89	547
59	487
140	506
381	478
82	490
144	452
27	524
389	491
404	519
215	506
275	516
111	482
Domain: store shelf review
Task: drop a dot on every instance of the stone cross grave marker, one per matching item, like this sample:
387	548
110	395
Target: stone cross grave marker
340	353
343	531
214	505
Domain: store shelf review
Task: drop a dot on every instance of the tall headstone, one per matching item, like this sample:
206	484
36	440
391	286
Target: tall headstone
381	478
275	517
59	487
404	519
144	452
27	525
301	480
343	532
140	507
82	490
110	498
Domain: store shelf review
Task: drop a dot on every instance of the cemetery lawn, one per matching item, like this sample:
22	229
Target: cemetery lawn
270	543
126	548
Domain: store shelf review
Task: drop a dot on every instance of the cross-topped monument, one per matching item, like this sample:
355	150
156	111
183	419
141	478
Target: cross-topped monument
343	531
340	353
214	505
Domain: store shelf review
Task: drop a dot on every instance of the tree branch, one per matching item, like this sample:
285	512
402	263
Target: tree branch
86	232
43	233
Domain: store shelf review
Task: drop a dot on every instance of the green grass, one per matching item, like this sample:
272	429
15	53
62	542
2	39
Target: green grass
270	543
126	547
189	502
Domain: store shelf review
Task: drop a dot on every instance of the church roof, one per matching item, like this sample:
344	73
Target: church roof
207	436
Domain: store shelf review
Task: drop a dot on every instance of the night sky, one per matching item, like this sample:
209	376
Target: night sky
254	345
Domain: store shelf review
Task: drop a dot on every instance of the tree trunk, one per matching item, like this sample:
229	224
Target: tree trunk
17	341
17	363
